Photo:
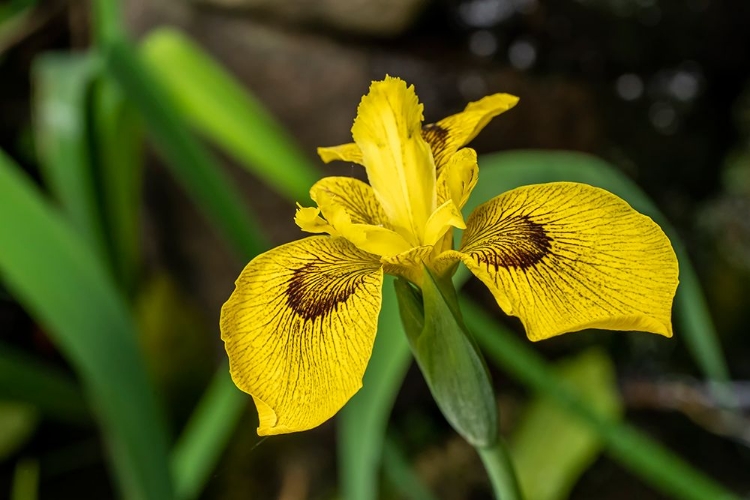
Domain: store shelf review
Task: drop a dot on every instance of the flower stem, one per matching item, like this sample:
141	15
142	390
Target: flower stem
499	468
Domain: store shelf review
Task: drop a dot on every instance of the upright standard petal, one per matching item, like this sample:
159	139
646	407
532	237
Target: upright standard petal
398	161
449	134
299	330
564	257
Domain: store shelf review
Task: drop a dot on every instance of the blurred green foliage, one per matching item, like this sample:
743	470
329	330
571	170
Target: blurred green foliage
550	450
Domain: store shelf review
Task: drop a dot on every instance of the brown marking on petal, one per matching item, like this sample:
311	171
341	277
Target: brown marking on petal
314	293
437	137
516	242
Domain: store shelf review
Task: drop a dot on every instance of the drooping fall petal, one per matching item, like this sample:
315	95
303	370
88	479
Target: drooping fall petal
564	257
398	161
449	134
299	330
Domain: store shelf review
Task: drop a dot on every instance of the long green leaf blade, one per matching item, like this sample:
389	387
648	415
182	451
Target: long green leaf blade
221	109
118	160
504	171
62	85
191	164
207	433
63	284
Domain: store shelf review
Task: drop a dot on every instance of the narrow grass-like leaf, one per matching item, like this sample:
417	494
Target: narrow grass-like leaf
363	421
504	171
220	108
399	472
62	83
116	133
207	433
655	464
61	281
191	164
26	379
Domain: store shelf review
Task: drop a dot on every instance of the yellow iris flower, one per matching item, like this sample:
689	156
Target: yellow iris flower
300	325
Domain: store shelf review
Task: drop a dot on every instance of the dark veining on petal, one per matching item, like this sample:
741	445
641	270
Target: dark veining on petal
437	137
314	290
515	242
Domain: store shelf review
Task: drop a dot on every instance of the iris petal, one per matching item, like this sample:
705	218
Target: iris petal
398	161
299	330
564	257
345	152
458	178
351	208
453	132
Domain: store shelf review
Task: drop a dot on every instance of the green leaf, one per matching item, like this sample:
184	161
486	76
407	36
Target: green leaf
658	466
504	171
63	284
189	161
26	380
551	448
450	361
363	421
117	139
206	435
62	83
220	108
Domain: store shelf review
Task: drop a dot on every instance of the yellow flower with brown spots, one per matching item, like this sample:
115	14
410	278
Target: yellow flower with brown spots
300	325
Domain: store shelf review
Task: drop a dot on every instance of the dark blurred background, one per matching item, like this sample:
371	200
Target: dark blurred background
660	88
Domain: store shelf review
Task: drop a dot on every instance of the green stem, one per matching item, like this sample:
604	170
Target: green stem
499	468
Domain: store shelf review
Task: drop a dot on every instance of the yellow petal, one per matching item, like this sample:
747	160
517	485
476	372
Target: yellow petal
398	161
458	178
565	256
308	219
299	330
352	196
446	216
449	134
346	152
351	208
